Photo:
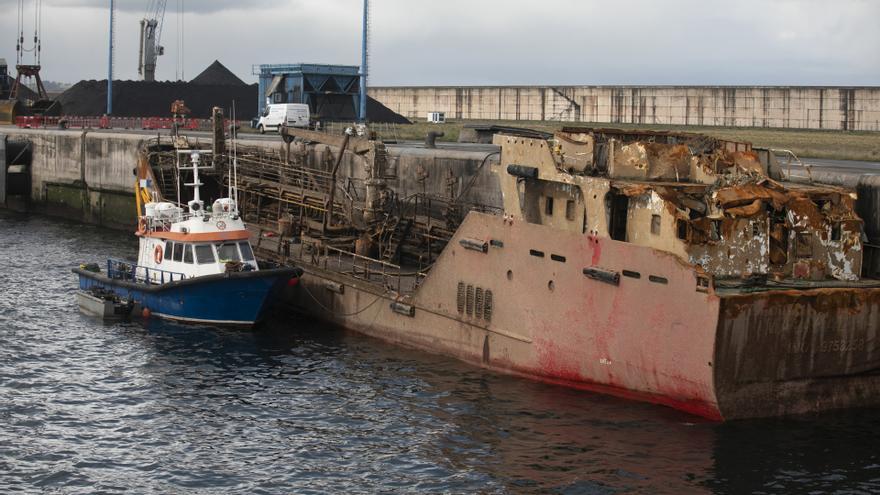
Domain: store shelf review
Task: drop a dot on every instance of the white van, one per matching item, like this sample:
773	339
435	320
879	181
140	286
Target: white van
275	115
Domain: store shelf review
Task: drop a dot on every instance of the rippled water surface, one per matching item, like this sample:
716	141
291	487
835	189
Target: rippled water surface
298	407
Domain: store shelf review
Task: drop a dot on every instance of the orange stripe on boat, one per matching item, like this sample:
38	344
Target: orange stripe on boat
234	235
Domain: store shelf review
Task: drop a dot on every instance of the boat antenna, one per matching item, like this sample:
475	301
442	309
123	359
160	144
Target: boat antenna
234	157
229	156
177	169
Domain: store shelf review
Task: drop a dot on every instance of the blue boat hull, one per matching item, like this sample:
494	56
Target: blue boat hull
238	299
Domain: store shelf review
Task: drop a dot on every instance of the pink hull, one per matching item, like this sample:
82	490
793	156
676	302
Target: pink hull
611	317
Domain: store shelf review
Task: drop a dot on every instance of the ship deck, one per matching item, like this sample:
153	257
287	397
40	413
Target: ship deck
381	274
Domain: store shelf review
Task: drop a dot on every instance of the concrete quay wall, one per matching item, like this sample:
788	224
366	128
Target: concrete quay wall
88	176
84	176
796	107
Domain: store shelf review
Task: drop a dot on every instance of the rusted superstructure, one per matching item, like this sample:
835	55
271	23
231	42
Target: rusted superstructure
712	203
666	267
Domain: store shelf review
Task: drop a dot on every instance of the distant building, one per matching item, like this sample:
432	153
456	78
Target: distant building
331	91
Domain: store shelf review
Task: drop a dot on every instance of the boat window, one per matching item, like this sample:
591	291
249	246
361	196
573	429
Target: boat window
227	252
247	253
169	246
617	209
655	224
178	252
681	229
204	254
835	231
187	254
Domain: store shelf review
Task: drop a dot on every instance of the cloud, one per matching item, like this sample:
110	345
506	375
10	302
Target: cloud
467	42
140	6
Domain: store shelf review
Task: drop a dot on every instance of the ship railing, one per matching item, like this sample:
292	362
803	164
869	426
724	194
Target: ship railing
163	223
792	159
132	272
105	122
160	223
390	276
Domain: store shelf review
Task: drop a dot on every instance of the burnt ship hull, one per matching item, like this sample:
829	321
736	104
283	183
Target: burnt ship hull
612	317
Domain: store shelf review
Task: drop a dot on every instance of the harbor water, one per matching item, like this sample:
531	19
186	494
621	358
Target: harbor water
300	407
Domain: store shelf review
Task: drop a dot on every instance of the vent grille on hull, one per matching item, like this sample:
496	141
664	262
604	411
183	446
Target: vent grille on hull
474	301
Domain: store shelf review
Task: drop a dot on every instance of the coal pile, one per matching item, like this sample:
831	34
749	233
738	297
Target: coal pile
217	74
153	99
377	112
216	86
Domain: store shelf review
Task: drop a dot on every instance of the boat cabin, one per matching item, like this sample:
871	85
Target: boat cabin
177	244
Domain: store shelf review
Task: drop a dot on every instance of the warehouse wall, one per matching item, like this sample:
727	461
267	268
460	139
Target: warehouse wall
843	108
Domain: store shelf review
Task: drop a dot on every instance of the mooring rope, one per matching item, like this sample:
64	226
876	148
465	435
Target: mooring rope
325	308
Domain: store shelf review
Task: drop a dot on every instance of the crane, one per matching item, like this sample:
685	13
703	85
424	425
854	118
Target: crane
151	32
31	104
28	70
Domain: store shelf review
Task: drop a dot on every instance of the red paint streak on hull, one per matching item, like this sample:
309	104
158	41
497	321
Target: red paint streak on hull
694	407
597	250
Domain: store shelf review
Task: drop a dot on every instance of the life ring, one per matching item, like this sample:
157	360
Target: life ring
221	225
157	254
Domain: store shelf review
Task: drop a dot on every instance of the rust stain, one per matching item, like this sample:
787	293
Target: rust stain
749	210
730	197
822	300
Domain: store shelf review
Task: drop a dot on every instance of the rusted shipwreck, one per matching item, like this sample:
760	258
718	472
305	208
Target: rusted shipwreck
671	268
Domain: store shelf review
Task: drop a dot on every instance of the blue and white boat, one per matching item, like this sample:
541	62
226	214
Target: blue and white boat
193	266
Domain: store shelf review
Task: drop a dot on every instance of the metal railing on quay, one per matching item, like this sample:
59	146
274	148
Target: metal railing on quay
105	122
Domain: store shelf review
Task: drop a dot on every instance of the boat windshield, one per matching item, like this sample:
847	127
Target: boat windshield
178	252
227	252
187	254
204	254
247	253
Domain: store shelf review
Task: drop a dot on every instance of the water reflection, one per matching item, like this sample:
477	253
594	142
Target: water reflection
301	407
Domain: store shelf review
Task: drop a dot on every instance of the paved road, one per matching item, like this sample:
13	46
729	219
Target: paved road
825	167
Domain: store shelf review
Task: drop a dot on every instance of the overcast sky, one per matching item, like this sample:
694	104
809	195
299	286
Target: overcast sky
481	42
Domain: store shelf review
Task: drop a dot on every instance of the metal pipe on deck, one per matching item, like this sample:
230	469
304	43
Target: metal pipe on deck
331	196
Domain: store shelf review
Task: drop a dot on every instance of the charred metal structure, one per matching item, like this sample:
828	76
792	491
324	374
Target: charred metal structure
667	267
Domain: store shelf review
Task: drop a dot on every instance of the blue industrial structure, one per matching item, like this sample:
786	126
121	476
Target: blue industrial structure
331	91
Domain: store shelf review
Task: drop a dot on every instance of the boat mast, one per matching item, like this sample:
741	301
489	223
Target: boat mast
177	182
196	206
